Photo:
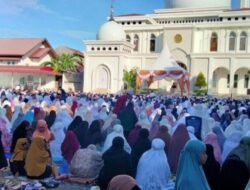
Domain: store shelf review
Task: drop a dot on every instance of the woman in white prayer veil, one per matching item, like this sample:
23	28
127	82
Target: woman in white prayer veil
246	126
234	126
58	129
81	111
232	141
117	132
55	146
144	121
153	172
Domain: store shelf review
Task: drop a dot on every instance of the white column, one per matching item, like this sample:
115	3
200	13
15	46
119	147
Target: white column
210	76
231	73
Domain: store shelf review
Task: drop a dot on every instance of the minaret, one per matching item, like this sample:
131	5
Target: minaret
111	18
244	4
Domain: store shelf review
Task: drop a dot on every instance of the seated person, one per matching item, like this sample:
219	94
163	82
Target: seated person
38	163
17	160
86	163
116	161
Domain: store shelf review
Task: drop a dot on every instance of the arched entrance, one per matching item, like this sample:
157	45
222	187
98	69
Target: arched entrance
241	81
101	79
221	81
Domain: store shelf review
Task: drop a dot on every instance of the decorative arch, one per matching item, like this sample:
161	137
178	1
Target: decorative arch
101	79
242	80
214	42
221	80
181	57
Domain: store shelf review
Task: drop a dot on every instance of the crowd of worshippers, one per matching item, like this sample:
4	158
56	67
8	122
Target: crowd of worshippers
127	142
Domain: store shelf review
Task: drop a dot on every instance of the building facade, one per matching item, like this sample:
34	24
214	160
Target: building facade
203	36
21	63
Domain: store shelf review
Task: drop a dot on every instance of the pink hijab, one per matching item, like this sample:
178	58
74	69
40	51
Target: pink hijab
122	182
212	139
42	130
177	142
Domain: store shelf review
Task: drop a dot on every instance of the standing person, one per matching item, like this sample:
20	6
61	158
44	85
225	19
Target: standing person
153	172
163	134
234	174
190	174
141	145
212	169
242	151
38	163
128	118
178	141
116	161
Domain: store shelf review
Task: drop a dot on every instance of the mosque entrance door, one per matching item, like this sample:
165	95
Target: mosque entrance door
102	79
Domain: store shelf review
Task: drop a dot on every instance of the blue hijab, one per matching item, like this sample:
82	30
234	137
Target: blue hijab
190	174
29	116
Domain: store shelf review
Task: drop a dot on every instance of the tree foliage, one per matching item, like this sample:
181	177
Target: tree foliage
200	85
65	62
129	77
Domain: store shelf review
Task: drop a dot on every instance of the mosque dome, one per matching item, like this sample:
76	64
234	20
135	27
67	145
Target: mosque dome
111	31
198	3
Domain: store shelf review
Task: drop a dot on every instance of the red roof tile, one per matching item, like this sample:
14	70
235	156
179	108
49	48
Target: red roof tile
18	46
10	58
40	53
28	69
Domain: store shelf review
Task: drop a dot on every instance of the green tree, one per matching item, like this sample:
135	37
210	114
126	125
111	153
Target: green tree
65	62
129	77
200	85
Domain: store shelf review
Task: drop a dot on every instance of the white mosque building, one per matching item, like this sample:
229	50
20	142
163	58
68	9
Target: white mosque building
205	36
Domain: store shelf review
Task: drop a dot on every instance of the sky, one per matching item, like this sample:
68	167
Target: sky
65	22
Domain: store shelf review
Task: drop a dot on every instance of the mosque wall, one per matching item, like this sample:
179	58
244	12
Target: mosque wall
179	38
110	66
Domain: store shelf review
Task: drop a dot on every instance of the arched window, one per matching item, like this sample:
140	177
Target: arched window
213	42
152	43
128	39
243	41
232	41
136	42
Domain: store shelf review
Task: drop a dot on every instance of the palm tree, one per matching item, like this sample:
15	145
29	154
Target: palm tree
65	63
